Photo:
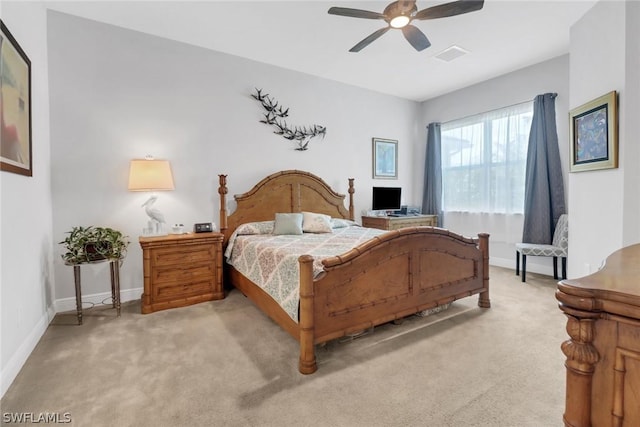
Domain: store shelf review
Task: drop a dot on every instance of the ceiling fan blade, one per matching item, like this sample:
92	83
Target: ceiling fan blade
449	9
416	37
371	37
355	13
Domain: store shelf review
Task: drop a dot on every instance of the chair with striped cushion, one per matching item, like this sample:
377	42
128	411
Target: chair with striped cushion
558	248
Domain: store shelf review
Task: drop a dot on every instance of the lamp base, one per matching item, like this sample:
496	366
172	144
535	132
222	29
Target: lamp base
145	233
154	229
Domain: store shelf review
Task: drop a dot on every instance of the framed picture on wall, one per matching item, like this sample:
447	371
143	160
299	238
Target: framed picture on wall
385	158
594	134
15	106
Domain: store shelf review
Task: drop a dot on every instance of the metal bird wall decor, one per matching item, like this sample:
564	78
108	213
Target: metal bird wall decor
275	115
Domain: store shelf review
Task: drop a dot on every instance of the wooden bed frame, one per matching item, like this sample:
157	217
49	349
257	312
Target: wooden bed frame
389	277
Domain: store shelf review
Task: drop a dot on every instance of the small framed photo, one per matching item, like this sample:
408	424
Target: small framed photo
594	134
15	106
385	158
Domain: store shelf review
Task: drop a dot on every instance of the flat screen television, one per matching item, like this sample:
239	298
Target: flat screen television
386	198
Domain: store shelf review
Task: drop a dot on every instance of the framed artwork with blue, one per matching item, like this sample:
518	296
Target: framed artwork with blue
385	158
594	134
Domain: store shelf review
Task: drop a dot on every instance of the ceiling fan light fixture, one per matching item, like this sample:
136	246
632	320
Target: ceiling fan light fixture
400	21
400	13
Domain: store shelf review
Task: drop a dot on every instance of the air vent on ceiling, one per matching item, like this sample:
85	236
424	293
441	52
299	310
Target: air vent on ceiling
451	53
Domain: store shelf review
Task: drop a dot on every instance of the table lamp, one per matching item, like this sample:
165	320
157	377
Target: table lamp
152	175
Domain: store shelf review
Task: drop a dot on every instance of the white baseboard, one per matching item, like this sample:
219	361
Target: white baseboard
69	304
19	358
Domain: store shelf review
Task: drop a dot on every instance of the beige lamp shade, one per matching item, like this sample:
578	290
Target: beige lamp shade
150	175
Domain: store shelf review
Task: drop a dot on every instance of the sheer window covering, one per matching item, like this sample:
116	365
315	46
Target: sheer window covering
484	160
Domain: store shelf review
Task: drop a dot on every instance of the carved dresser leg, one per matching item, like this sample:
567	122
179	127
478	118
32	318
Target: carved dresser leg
582	357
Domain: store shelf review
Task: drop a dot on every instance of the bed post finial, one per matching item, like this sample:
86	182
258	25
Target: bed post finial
483	244
307	364
222	191
351	191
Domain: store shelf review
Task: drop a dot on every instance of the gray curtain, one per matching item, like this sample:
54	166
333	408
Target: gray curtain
544	187
432	197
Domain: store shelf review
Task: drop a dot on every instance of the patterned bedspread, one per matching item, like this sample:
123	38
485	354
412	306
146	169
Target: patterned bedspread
271	261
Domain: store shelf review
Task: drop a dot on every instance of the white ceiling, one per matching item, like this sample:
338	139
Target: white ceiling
300	35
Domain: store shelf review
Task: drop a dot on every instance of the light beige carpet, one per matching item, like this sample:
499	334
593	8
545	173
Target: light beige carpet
224	363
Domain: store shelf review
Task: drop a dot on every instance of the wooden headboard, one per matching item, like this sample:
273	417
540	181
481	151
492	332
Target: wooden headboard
286	191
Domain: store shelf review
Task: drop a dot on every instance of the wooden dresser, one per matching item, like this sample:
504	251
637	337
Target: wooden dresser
396	222
181	269
603	352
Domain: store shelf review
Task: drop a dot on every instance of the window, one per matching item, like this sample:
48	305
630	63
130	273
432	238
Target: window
484	160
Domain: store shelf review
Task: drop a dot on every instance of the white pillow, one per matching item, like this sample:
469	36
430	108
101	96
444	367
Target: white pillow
316	223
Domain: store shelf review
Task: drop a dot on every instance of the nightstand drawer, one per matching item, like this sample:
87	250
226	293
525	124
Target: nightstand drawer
184	255
181	273
402	223
398	222
173	291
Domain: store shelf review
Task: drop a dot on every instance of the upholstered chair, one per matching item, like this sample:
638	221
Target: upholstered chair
558	248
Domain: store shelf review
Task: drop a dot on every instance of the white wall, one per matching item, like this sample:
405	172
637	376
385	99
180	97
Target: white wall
603	204
630	104
117	94
512	88
26	286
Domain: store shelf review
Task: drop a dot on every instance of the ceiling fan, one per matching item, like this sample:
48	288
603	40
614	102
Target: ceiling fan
400	14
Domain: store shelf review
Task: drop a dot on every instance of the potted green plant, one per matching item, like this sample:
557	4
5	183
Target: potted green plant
90	244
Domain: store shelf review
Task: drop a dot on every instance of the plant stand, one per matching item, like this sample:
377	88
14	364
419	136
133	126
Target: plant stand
114	267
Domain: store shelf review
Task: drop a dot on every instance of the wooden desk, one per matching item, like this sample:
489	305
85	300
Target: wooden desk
396	222
603	352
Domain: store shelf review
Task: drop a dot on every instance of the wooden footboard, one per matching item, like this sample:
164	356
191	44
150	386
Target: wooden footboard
389	277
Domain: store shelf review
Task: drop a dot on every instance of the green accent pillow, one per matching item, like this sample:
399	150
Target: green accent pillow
288	223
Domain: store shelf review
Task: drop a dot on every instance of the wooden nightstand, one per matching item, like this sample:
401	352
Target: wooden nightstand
394	223
181	269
